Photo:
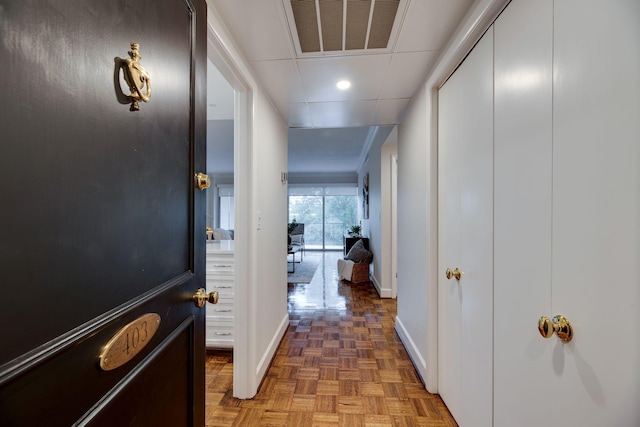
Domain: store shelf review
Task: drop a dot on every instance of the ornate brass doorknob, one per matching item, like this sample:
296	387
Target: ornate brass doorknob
202	181
453	273
201	296
558	324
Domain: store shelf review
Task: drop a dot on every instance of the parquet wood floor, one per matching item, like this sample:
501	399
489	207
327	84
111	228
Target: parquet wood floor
339	364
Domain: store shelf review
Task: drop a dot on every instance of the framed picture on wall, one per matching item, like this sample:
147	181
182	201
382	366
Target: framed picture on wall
365	196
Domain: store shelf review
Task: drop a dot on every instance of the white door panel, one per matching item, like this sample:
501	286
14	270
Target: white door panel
477	240
449	292
522	254
596	210
465	227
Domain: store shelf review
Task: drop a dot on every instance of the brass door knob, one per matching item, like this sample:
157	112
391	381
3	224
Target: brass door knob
453	273
202	181
201	297
558	324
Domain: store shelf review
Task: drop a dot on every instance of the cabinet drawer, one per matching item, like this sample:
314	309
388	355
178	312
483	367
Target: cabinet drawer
217	277
224	303
225	342
224	288
220	256
213	268
220	311
222	259
219	325
220	329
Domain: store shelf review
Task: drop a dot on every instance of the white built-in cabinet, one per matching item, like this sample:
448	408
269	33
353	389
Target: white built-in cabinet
220	277
539	207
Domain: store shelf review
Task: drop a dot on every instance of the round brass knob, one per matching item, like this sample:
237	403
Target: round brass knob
558	325
202	181
453	273
201	297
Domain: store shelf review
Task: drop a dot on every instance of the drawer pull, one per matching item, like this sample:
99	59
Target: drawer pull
222	311
223	265
222	287
223	333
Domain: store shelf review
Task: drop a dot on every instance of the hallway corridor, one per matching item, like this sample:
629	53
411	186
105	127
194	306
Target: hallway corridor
339	364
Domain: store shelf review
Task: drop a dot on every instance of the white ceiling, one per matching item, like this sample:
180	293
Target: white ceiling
303	86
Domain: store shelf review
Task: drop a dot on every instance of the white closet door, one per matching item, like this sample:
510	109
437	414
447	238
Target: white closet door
567	212
465	329
449	291
523	188
596	212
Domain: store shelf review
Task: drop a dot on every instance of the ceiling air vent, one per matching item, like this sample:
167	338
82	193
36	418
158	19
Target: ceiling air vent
334	26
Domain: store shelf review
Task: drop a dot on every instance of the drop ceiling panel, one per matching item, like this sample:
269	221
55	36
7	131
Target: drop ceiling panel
258	26
407	72
340	149
297	115
343	114
320	75
281	79
430	23
388	111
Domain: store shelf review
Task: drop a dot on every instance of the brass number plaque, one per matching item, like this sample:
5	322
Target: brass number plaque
129	341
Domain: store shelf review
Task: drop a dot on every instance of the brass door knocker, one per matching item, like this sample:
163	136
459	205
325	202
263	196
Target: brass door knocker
136	77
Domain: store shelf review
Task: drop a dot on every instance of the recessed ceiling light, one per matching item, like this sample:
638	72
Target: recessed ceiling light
343	84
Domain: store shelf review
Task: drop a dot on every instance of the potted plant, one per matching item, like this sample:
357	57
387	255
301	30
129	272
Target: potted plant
354	230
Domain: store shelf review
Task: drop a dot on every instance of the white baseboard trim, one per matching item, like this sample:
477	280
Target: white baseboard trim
267	357
416	358
383	292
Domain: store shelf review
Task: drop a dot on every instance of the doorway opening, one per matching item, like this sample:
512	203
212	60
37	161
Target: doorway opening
230	200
